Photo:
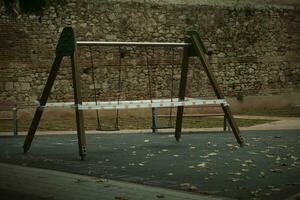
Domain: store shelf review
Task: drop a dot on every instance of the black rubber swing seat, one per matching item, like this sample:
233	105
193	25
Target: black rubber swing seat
108	129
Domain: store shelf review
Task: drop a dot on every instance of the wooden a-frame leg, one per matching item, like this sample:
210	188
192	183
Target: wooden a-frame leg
224	123
200	53
182	89
154	121
79	113
15	122
43	101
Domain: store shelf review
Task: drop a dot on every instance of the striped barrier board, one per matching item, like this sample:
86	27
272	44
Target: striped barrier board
135	104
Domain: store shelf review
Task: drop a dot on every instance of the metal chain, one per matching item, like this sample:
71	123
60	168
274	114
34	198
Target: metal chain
172	85
94	85
149	75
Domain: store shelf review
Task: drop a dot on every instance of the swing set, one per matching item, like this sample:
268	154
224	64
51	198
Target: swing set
67	46
100	126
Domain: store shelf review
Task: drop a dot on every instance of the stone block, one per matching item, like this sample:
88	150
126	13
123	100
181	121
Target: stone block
83	25
9	86
24	86
2	86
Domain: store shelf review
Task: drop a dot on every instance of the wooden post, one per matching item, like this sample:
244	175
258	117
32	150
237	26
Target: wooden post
43	100
154	121
15	121
79	113
182	89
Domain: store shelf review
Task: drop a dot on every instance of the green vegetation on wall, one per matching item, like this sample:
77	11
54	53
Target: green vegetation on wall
29	6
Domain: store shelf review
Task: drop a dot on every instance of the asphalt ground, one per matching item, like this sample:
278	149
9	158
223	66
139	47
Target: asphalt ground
267	167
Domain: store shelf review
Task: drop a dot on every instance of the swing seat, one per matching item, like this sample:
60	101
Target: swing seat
162	127
108	129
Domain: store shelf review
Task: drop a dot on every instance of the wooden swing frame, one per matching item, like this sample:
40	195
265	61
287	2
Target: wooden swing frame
66	47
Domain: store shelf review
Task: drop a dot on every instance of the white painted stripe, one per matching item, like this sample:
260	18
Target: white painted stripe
143	44
155	103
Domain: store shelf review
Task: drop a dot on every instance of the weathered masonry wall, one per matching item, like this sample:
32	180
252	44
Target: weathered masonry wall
256	49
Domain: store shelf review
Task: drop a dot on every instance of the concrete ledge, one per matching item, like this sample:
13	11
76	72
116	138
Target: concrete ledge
259	4
50	184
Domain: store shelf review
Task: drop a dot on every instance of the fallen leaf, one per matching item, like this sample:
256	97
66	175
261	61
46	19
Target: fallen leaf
278	158
247	163
212	154
232	146
255	139
229	145
276	170
262	174
193	188
165	150
236	173
294	157
146	141
235	179
269	156
191	166
204	156
176	155
185	185
275	189
265	151
203	164
131	164
192	147
254	193
101	180
282	146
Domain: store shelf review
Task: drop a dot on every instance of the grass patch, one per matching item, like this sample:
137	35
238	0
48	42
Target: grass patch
68	124
289	111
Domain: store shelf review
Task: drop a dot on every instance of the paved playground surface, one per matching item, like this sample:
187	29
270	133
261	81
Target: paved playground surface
267	167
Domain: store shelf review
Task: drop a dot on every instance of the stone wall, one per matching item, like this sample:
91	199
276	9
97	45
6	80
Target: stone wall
256	49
